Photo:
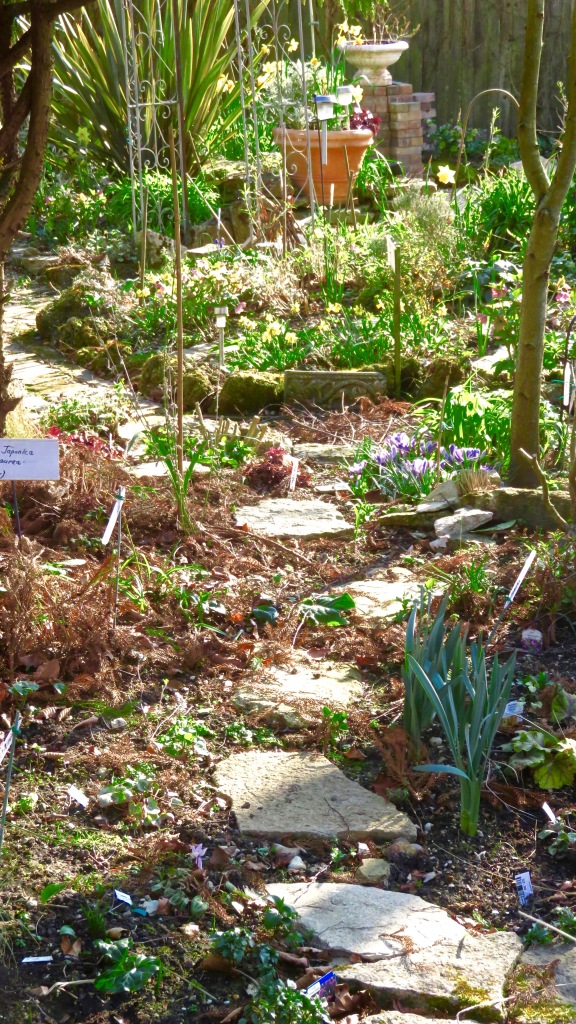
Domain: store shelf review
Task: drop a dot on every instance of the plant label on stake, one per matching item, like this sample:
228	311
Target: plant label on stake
520	580
116	508
391	253
549	813
9	742
5	745
294	473
524	888
28	459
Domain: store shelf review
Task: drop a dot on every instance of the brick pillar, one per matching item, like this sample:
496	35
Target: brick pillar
403	113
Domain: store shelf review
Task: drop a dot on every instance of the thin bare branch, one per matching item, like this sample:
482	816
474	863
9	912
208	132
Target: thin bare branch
527	136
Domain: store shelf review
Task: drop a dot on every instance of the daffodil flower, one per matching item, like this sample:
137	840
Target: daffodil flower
446	175
293	45
333	307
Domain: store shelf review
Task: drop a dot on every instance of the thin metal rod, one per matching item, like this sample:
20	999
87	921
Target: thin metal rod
143	245
242	91
16	510
181	119
305	102
119	545
129	118
136	94
253	92
15	729
179	312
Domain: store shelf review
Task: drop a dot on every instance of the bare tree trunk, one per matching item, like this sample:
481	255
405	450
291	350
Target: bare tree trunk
550	196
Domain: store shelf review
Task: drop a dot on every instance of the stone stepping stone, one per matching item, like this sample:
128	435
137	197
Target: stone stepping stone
419	954
296	794
154	470
293	696
562	959
309	519
381	595
324	454
393	1017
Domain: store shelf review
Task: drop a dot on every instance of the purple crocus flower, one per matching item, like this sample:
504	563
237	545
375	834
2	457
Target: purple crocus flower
382	458
471	453
401	441
358	468
420	466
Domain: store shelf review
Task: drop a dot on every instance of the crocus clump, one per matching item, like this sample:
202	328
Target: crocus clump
409	466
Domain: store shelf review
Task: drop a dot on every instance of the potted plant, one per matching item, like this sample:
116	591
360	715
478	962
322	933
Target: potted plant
322	152
372	56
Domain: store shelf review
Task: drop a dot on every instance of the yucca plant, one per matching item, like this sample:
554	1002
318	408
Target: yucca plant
440	654
469	708
90	103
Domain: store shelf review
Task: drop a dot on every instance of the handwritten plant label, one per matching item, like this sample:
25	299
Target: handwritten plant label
5	744
522	576
114	514
514	709
549	813
29	459
524	888
37	959
123	897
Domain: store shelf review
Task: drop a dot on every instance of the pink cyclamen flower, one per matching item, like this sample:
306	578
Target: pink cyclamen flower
240	307
197	853
562	298
499	293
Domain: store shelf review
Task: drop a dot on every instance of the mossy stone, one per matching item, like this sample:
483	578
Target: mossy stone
93	357
87	333
410	374
72	302
197	384
247	392
435	374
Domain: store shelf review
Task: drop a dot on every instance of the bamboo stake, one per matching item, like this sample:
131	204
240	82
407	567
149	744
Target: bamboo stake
179	315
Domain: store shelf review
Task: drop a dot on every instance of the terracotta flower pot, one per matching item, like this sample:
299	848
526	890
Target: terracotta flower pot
374	59
334	172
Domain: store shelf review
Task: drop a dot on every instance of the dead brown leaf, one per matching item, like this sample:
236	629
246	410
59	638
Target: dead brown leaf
48	671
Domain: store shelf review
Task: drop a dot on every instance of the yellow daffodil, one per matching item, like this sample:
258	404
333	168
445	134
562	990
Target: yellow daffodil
358	310
224	84
264	49
314	62
344	27
446	175
322	326
334	307
295	307
358	41
293	45
357	93
290	338
379	304
355	30
341	42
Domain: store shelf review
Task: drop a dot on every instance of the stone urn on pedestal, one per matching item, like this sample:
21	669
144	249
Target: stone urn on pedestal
372	60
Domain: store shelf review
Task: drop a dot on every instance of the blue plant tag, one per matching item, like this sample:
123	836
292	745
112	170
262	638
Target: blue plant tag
324	987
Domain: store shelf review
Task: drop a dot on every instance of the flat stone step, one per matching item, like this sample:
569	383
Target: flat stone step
561	961
309	519
383	594
293	696
393	1017
277	795
324	454
419	955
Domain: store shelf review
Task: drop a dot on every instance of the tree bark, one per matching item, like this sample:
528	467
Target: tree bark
550	195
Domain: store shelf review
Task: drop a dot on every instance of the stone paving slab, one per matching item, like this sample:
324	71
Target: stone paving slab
309	519
304	795
319	684
564	975
381	596
393	1017
426	959
324	454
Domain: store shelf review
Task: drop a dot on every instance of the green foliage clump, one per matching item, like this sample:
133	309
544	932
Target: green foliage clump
102	412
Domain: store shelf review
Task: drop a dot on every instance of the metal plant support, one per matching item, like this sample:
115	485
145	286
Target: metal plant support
271	37
150	109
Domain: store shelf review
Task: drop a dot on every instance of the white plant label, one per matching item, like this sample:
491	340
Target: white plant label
76	794
37	959
391	252
114	515
5	745
514	709
29	459
567	386
123	897
549	813
522	576
524	887
294	473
